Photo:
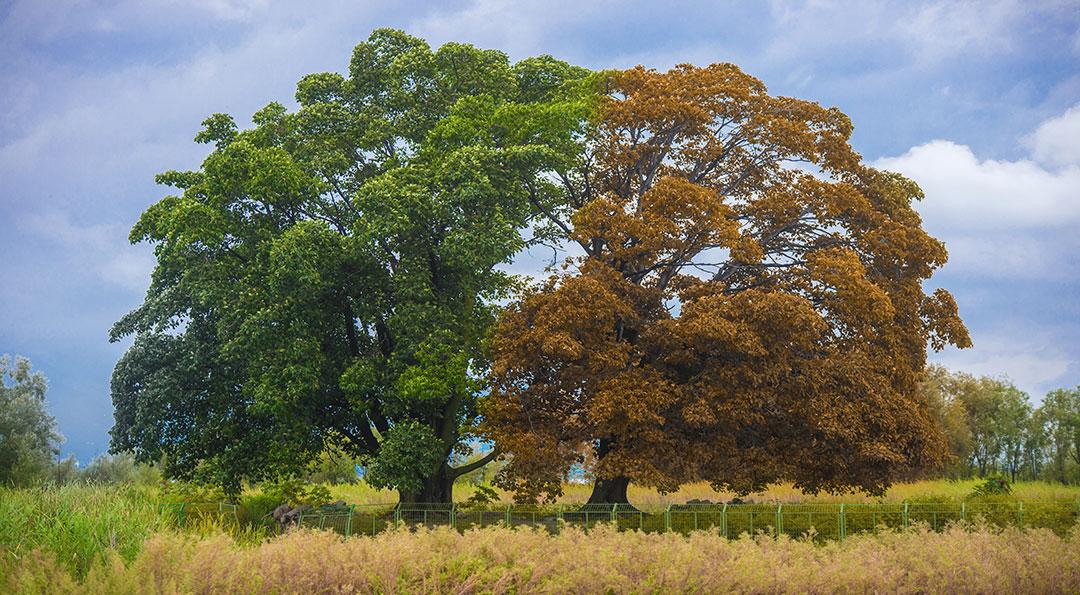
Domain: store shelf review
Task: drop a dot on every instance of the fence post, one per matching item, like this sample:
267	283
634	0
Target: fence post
667	519
397	515
453	515
723	520
842	522
348	521
906	522
614	513
509	522
779	520
963	511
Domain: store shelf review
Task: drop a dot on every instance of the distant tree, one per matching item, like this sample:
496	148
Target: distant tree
106	468
942	389
327	279
1014	418
1036	442
65	471
998	416
748	306
1061	412
28	438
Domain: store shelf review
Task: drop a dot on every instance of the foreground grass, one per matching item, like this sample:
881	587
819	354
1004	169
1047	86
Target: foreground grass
78	526
498	560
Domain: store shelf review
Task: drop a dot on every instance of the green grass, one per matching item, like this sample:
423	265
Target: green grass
77	523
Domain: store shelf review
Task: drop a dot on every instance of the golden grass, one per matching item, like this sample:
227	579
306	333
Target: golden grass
498	560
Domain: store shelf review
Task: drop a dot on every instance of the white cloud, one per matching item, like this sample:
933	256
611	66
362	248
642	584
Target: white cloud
1056	142
1032	362
965	193
1009	226
926	33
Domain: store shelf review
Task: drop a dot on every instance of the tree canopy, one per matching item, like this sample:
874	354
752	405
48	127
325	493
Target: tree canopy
327	279
748	305
28	437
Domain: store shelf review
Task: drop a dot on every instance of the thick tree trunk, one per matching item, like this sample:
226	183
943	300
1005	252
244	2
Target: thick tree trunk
438	489
610	491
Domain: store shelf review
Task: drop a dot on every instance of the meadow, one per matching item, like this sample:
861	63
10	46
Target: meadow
117	539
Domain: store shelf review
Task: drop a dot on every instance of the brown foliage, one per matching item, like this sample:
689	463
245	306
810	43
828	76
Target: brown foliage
749	307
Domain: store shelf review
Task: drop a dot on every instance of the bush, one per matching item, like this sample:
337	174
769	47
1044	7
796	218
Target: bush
993	486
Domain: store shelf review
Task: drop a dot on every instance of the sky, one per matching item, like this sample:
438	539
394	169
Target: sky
977	102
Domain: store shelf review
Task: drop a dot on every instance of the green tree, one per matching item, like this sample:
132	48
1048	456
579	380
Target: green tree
1013	416
327	279
28	438
997	414
1061	411
1036	442
941	389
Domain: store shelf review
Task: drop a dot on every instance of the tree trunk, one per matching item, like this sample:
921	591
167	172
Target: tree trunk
610	491
437	489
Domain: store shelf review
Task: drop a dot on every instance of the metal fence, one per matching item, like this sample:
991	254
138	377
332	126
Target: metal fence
820	521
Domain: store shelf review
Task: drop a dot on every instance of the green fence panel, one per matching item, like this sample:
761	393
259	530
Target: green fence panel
800	520
825	521
936	514
871	518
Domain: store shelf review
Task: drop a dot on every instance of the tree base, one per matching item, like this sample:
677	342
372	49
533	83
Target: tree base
611	491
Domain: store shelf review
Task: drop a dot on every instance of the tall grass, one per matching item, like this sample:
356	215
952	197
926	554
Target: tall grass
77	523
497	560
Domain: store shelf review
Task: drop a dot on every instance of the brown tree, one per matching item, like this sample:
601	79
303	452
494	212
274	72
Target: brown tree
749	306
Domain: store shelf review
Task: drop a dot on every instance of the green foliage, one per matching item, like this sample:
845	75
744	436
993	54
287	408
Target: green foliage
296	492
28	438
408	452
482	496
992	486
325	282
334	468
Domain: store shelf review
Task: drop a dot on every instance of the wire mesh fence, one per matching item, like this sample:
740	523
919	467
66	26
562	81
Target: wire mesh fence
819	521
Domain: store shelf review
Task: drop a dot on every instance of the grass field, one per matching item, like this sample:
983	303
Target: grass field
117	539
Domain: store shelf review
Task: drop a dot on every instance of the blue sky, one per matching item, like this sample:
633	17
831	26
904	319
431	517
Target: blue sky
979	103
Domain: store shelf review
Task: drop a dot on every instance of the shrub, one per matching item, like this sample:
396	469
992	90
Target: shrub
993	486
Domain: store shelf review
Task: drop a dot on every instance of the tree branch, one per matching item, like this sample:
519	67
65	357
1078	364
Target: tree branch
473	466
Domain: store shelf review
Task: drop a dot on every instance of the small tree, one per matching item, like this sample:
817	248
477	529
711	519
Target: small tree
28	438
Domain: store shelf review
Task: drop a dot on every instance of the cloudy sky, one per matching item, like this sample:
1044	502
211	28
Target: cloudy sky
978	102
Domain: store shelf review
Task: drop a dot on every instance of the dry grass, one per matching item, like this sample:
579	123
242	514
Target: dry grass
497	560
